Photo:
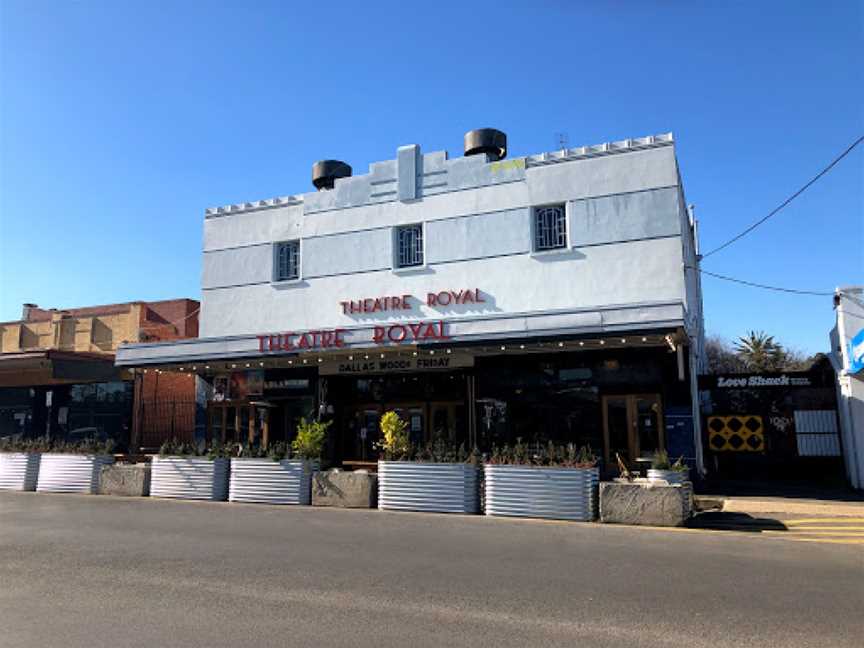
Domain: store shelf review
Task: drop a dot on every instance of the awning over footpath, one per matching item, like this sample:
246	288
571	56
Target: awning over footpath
52	367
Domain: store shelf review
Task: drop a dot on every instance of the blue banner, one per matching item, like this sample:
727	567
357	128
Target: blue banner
856	353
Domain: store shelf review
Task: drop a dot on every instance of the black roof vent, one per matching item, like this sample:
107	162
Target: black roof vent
325	172
486	140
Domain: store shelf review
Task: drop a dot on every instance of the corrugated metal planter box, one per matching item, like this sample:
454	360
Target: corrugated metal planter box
671	477
196	478
271	482
70	473
554	493
432	487
19	470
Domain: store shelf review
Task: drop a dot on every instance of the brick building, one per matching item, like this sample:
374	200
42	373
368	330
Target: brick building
57	374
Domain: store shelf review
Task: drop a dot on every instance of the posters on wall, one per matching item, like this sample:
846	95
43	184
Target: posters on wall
243	384
220	388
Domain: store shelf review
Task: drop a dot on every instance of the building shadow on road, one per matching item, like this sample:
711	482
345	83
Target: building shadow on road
744	522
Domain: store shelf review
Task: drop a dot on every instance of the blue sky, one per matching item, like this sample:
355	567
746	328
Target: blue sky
121	121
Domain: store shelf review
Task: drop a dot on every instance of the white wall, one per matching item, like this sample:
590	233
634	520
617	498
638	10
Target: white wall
625	229
850	387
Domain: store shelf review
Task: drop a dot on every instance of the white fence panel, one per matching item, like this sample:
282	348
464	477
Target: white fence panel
271	482
816	433
68	473
431	487
189	478
555	493
19	470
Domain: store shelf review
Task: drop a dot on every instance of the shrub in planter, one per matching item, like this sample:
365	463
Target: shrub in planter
436	478
190	471
662	470
19	463
551	481
278	474
73	467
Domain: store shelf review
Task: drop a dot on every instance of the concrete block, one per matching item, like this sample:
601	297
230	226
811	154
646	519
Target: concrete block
645	504
343	489
129	480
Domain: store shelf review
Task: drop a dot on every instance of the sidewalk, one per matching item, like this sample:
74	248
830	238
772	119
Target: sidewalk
776	497
780	505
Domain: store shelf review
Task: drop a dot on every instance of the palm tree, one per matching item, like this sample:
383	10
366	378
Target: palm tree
760	352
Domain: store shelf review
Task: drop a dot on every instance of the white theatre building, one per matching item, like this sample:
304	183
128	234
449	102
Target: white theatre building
486	298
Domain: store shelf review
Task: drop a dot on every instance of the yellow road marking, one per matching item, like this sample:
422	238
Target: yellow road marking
795	522
826	528
854	534
827	541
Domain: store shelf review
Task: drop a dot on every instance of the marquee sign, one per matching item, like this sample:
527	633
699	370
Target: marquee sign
390	365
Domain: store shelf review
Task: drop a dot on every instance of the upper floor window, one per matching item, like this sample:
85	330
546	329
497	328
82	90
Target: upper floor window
409	246
550	227
287	261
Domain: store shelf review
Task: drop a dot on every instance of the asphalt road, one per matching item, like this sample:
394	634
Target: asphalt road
98	571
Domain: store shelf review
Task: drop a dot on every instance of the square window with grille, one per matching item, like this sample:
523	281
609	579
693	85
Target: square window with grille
409	246
287	261
550	227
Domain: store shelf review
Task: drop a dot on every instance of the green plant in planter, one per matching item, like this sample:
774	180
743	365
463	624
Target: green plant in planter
84	447
9	444
177	448
395	442
441	451
550	455
279	451
680	466
660	461
220	451
275	451
311	435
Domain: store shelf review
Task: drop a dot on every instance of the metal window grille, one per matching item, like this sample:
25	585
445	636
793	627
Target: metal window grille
410	246
288	261
550	227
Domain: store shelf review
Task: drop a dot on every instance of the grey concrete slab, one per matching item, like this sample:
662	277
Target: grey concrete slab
97	571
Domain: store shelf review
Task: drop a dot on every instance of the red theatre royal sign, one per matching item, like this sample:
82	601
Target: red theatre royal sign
404	302
335	338
409	332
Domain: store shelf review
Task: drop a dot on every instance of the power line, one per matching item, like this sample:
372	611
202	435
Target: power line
753	284
788	200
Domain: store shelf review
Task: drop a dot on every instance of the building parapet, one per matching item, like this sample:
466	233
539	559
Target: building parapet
434	173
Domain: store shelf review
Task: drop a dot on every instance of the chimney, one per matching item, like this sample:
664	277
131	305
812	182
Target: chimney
325	172
26	310
490	141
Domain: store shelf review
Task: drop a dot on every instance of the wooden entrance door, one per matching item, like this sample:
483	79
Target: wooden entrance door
236	421
632	428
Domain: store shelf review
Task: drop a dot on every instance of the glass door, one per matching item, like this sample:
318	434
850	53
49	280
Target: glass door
632	430
648	426
616	424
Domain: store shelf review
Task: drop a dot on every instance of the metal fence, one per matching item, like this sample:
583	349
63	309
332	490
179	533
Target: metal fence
161	420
